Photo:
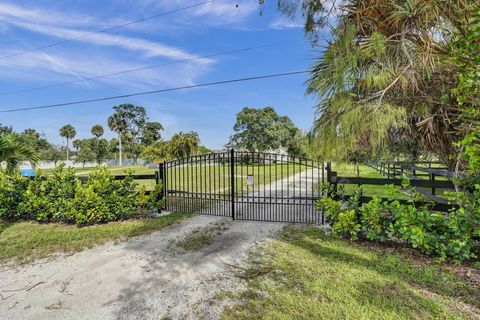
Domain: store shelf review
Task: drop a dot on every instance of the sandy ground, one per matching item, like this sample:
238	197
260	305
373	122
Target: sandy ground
142	278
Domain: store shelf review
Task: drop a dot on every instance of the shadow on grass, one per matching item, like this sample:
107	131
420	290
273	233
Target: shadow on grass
399	271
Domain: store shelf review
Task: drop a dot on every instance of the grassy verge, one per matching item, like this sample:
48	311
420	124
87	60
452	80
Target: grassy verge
25	241
317	277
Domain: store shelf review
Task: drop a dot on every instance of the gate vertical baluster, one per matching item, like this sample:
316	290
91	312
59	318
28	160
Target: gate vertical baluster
232	178
189	190
209	180
270	185
225	203
214	186
288	185
276	185
161	179
205	182
259	192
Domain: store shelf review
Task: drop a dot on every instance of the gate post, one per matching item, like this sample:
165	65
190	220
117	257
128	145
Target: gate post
162	180
232	181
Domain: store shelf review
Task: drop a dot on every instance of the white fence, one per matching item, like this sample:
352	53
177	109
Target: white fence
73	164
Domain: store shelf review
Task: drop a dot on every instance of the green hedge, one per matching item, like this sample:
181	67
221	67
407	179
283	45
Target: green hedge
62	197
449	235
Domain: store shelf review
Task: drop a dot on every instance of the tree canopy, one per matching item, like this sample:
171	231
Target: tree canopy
151	133
263	129
97	131
385	77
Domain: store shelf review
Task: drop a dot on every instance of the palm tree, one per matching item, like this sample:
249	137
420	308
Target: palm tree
31	133
184	144
97	131
68	132
383	74
118	124
14	149
76	144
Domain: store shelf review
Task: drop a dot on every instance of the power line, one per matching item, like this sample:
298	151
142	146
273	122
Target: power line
64	104
147	67
106	30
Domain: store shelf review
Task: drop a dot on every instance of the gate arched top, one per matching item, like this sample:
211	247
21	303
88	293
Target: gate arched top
245	157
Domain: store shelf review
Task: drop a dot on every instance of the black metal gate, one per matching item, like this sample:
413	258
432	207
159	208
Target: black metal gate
245	186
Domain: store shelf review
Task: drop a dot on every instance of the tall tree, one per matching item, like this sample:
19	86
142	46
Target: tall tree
86	151
76	144
36	140
5	129
97	131
68	132
151	133
157	152
98	146
263	129
127	118
52	153
31	133
384	75
184	144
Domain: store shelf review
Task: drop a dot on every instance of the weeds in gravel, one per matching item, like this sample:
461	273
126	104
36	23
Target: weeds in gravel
202	236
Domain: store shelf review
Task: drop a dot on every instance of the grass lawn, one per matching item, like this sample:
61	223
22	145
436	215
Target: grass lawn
317	277
25	241
217	178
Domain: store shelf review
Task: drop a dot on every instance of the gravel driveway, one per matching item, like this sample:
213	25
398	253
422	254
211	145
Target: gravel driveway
141	278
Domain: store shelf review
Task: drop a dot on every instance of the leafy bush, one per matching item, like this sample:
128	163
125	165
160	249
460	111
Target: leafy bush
49	198
11	195
62	197
449	235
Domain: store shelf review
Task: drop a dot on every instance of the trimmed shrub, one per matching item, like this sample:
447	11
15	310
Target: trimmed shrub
12	188
449	235
62	197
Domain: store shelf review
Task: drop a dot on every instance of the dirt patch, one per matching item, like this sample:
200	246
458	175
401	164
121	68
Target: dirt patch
201	237
141	278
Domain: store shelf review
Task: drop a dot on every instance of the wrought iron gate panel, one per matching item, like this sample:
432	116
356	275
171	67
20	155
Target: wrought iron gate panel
188	184
245	186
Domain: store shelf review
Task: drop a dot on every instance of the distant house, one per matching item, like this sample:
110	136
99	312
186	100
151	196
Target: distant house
281	151
230	145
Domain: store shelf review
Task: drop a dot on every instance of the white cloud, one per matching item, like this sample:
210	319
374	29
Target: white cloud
43	67
19	17
61	64
220	12
9	11
228	11
285	23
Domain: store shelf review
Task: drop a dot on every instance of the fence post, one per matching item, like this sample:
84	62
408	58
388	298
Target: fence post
432	177
331	178
329	172
232	181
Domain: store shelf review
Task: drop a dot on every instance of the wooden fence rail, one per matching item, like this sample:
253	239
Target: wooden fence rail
437	203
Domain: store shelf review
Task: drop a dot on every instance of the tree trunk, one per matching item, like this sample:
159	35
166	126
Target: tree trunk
120	149
67	149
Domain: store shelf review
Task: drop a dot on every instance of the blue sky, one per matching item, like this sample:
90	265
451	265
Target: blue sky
212	28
